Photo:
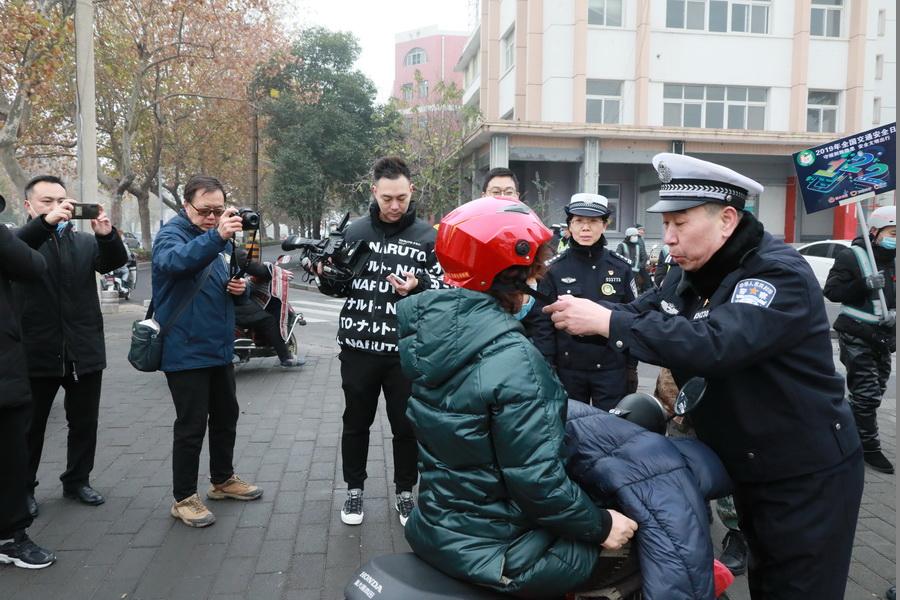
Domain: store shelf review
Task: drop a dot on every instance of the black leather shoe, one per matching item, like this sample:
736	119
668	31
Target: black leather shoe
891	594
878	461
85	494
32	506
734	552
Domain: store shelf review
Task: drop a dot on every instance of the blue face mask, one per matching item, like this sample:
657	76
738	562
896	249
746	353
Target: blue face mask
888	243
526	306
61	226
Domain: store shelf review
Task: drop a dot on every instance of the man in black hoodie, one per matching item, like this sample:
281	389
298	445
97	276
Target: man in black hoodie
18	262
401	262
867	340
63	329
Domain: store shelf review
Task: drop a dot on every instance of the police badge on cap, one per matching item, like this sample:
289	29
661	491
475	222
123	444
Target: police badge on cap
588	205
687	182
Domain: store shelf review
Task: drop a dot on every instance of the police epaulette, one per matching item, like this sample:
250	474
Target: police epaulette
555	258
619	256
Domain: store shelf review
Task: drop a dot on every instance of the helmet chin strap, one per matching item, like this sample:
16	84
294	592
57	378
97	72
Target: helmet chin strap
521	286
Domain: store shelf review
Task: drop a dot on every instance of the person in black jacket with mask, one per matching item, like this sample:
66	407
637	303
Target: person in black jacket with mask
18	262
867	340
63	328
591	373
401	262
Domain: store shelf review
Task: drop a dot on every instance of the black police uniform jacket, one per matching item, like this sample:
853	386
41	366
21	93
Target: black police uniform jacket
752	322
846	284
18	262
61	319
591	272
368	320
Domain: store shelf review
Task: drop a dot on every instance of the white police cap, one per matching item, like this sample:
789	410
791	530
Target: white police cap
688	182
588	205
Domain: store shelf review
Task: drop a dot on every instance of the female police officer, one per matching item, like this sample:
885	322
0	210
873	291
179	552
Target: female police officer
744	311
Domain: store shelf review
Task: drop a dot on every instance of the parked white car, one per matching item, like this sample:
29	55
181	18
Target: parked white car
820	256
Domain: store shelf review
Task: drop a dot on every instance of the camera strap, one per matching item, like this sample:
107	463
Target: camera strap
163	329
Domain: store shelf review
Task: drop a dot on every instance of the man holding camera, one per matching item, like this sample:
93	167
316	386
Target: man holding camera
401	256
62	327
194	293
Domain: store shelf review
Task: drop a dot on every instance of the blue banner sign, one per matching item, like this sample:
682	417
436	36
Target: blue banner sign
847	170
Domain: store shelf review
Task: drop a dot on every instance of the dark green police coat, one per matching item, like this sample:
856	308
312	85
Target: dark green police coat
495	504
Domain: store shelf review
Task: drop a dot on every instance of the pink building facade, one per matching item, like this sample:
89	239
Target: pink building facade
431	51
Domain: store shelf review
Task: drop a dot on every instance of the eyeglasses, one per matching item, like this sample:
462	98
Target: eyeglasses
503	192
205	212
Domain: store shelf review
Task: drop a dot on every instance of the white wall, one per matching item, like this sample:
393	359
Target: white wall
506	92
507	14
558	63
771	208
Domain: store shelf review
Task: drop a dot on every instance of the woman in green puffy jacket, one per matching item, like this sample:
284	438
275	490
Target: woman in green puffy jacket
496	506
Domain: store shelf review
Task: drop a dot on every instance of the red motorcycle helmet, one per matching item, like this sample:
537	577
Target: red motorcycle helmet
485	236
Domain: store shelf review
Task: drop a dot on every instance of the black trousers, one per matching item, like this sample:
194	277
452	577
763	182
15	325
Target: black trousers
868	371
271	333
602	389
202	395
14	515
364	376
82	404
800	532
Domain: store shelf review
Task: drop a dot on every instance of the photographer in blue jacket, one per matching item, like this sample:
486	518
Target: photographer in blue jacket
193	288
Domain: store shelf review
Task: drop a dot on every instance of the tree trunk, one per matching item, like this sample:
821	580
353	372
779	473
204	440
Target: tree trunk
276	228
143	202
115	211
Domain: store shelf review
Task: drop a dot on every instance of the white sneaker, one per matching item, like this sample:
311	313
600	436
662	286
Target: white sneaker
352	512
404	506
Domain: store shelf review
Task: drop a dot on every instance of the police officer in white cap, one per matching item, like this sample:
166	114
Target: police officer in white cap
867	339
591	373
743	311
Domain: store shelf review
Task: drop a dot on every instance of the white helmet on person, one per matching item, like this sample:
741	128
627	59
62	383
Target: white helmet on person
883	216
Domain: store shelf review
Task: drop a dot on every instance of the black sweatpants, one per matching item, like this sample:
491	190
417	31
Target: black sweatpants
82	404
202	395
602	389
14	514
364	376
868	371
800	532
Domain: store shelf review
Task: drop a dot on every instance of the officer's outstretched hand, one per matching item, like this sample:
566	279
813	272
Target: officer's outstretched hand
621	531
579	316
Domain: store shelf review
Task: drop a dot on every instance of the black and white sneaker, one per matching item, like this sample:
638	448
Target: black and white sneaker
404	506
352	512
24	553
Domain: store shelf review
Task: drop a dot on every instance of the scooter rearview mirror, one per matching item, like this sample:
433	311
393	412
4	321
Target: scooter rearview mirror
690	396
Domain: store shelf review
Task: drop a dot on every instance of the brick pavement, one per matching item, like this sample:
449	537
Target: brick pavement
291	543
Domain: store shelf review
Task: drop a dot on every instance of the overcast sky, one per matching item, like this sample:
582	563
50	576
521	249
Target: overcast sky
375	22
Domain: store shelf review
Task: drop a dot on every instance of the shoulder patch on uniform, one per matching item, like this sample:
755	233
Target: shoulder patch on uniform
668	307
620	257
757	292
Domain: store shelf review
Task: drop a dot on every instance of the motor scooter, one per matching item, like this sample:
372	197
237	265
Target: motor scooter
247	344
406	576
123	279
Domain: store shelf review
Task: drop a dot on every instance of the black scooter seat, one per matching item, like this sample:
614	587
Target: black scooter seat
405	576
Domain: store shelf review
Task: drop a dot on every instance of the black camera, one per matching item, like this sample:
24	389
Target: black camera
249	219
341	261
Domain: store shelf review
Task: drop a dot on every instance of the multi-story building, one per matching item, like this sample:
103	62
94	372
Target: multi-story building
578	95
433	53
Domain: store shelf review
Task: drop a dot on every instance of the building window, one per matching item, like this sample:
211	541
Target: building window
423	89
407	92
714	106
611	191
604	101
876	111
825	18
508	50
416	56
882	19
879	66
605	12
821	112
686	14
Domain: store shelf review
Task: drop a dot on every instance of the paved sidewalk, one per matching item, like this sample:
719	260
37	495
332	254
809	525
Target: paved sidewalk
291	543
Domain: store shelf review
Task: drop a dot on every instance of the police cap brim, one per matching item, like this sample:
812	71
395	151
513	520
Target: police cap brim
2	203
582	211
675	205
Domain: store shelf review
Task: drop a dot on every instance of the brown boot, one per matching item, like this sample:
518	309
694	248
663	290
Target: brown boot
193	512
234	488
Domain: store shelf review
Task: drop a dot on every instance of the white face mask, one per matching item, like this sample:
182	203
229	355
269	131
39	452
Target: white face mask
633	239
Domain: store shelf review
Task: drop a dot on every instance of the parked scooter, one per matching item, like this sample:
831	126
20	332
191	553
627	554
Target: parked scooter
404	576
247	344
123	279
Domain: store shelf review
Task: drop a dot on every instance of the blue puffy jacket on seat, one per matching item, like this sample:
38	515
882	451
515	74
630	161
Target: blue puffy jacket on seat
663	485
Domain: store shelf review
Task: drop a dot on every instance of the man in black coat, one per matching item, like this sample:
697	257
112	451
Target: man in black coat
744	312
18	262
63	328
866	339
